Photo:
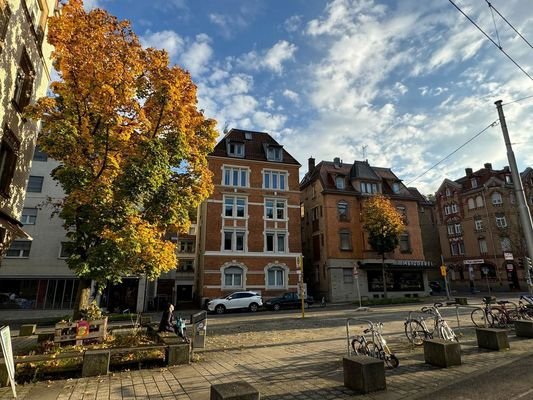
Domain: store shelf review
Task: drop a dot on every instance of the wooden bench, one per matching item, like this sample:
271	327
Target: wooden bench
80	331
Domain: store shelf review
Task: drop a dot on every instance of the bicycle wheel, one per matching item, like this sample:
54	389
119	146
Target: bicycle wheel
415	332
447	333
501	319
359	346
480	319
392	361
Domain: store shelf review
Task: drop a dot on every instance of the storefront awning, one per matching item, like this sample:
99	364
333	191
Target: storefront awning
396	264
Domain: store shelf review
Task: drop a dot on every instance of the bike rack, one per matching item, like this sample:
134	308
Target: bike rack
366	321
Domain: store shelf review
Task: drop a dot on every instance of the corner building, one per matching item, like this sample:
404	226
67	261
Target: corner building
249	228
339	263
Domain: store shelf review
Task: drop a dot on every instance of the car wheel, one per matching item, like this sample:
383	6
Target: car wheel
276	307
253	307
220	309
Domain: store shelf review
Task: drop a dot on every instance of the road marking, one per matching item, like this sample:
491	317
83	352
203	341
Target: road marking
525	394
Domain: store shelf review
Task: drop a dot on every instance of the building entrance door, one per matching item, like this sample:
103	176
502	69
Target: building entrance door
184	292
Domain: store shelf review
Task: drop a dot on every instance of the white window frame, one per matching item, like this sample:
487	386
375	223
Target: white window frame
238	149
26	218
277	206
269	175
276	236
232	285
483	248
457	228
274	153
235	233
340	182
235	207
61	255
35	181
478	224
242	173
471	203
350	244
454	208
22	252
450	229
369	187
501	222
496	198
279	273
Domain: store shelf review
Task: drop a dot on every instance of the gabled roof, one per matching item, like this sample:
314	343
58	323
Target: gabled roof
327	171
448	182
254	148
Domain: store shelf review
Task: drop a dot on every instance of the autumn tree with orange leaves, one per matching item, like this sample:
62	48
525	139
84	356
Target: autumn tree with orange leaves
131	143
384	224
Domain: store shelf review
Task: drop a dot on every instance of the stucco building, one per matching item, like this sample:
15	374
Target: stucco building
25	67
479	228
335	241
249	228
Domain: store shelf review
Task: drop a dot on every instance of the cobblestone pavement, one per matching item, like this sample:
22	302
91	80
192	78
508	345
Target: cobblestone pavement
287	357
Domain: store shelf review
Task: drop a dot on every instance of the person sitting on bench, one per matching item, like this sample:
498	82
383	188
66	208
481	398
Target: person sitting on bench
169	324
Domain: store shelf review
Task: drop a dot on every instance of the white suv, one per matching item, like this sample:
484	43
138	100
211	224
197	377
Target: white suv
238	300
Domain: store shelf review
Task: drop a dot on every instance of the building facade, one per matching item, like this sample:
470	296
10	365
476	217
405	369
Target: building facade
480	231
25	67
249	228
339	262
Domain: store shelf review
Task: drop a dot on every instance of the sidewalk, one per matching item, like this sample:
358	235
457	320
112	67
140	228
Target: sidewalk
287	357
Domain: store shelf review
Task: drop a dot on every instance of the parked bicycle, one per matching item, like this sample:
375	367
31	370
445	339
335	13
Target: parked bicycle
525	307
376	346
417	329
499	316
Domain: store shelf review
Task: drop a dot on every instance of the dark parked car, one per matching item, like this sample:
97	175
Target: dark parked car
288	300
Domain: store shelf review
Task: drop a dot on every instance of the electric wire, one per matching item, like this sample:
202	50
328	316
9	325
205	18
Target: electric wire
495	27
508	23
493	42
517	100
491	125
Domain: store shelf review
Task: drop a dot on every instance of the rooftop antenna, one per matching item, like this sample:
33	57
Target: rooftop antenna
364	152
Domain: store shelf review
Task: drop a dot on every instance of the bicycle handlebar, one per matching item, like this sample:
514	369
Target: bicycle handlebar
437	305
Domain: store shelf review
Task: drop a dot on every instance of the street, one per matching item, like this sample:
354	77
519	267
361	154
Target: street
287	357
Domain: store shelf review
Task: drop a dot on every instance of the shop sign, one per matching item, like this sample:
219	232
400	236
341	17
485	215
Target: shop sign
508	256
478	261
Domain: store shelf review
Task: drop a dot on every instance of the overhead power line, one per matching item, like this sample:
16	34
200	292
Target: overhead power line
508	23
517	100
492	124
493	42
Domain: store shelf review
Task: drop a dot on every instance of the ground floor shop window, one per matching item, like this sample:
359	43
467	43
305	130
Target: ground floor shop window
397	281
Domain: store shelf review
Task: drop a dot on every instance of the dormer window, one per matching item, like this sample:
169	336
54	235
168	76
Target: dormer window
448	193
339	182
473	182
236	149
508	179
274	153
396	187
248	135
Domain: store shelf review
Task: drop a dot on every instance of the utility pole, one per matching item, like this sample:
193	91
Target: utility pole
523	210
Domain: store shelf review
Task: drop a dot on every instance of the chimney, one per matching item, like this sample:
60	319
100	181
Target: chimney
468	171
337	162
310	164
488	166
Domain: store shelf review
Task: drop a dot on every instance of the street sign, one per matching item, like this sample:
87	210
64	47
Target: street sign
508	256
355	271
477	261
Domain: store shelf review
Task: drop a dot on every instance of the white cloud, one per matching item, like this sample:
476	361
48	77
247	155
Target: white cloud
293	23
167	40
228	24
271	59
197	55
291	95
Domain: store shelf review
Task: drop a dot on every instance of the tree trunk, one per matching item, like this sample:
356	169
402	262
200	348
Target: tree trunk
82	298
383	273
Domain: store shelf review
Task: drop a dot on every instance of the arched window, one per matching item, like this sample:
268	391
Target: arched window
233	277
342	210
471	203
479	201
496	198
276	277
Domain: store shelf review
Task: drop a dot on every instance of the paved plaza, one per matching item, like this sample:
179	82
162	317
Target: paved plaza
287	357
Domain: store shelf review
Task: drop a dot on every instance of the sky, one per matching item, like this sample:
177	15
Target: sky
400	83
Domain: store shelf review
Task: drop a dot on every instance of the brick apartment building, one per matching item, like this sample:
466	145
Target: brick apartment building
479	228
249	228
335	241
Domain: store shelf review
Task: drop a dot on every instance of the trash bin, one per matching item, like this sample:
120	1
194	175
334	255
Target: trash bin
199	329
